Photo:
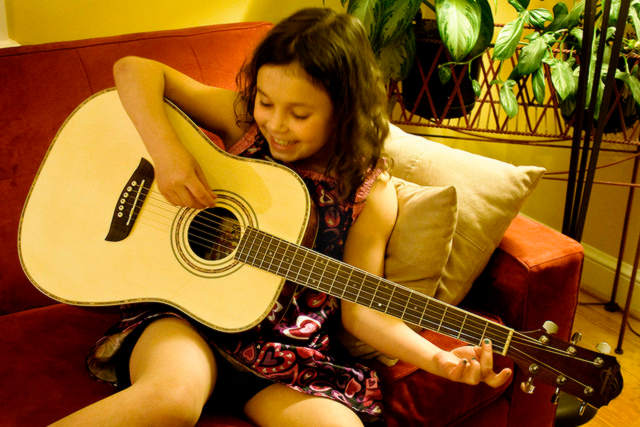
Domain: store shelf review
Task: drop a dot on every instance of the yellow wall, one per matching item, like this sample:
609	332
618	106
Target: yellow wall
37	21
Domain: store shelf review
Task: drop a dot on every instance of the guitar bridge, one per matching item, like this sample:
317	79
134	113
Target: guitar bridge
130	201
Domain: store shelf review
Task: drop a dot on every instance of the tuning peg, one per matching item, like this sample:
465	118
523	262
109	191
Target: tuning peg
528	386
576	337
550	327
582	408
603	347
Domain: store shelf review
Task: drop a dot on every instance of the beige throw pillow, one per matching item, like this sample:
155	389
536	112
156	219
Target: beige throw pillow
490	194
421	240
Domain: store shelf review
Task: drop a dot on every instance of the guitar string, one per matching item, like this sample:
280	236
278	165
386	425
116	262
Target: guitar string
549	367
516	338
487	331
552	350
229	222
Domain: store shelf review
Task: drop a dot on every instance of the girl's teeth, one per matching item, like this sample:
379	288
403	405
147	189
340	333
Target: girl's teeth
282	142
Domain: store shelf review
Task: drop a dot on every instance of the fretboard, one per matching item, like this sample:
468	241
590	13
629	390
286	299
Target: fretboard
308	268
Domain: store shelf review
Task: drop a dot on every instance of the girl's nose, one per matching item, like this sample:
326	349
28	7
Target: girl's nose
278	121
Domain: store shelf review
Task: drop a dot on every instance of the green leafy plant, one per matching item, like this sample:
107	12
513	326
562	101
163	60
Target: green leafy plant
465	27
554	46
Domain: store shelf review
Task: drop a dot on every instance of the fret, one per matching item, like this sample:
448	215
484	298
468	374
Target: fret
386	309
260	250
304	257
444	313
373	297
423	311
404	310
346	285
334	279
351	295
462	326
364	278
322	278
311	282
486	324
291	260
275	254
253	240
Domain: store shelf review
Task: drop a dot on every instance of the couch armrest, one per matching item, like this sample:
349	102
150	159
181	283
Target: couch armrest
533	276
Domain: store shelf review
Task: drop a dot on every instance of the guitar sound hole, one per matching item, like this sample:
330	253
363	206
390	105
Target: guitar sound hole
214	233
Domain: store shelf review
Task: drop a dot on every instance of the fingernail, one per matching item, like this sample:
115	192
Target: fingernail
487	341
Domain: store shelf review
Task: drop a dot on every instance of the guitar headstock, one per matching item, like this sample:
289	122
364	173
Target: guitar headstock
592	377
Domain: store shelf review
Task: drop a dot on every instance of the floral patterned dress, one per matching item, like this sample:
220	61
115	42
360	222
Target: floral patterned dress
295	344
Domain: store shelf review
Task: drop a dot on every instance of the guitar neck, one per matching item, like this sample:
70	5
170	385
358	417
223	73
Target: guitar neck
320	272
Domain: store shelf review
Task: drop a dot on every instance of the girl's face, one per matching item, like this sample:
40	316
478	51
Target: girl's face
294	115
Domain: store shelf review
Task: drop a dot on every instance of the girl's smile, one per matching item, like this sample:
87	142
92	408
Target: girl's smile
294	115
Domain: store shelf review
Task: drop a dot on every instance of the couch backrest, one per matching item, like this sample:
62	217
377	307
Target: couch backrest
41	85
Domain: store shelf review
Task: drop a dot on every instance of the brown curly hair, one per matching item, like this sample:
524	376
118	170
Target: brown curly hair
334	51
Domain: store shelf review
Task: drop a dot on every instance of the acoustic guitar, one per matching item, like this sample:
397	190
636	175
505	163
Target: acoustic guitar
96	231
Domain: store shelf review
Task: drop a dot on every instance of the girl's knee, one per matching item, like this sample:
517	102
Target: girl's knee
174	404
278	405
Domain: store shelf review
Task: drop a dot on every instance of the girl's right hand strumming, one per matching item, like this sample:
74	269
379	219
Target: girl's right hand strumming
181	180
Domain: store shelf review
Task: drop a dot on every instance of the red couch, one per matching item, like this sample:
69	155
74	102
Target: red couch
532	277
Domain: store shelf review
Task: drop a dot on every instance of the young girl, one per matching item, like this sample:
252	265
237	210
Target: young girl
311	97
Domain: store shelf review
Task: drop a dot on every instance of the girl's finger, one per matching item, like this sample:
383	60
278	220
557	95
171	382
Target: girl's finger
486	358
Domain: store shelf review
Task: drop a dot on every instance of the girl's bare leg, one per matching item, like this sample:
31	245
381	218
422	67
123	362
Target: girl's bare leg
278	405
173	372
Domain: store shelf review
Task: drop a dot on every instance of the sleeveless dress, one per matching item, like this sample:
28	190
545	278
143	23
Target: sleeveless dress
296	344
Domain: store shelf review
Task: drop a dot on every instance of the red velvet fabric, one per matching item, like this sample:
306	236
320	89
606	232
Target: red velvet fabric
532	277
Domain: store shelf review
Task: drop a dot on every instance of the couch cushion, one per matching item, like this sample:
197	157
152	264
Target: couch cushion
490	194
421	240
43	365
43	369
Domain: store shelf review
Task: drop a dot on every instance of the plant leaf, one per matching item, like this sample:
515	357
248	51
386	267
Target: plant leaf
564	81
485	35
531	55
508	99
633	16
560	17
458	25
632	83
396	59
476	87
520	5
539	87
614	11
444	73
508	38
369	13
537	17
574	16
397	17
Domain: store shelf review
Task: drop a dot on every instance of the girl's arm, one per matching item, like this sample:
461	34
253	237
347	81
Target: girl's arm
142	84
365	248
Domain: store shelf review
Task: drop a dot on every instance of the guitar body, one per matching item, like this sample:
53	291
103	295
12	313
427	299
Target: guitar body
96	231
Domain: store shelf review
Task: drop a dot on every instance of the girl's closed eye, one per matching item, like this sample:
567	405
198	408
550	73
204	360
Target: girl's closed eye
300	115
